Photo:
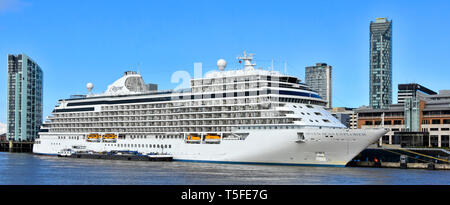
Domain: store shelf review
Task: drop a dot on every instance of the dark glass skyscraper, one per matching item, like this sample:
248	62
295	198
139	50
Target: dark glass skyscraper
24	115
380	63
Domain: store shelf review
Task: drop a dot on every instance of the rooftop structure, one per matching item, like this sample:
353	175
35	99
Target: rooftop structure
412	90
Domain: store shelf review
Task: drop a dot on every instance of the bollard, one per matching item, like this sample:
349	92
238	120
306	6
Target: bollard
431	166
11	146
403	162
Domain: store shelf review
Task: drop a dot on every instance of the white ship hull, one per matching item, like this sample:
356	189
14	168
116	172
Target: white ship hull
251	115
280	146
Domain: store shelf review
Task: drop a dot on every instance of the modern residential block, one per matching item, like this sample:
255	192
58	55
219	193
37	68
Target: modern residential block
24	112
380	63
319	79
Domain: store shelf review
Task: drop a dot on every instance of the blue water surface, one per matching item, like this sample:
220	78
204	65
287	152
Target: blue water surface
29	169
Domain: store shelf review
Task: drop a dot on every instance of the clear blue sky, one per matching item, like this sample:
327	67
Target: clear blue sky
81	41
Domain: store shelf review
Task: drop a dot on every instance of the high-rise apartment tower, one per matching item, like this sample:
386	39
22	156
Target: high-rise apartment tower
380	63
319	79
24	112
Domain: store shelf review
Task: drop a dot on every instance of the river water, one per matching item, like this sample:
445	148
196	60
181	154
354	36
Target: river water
29	169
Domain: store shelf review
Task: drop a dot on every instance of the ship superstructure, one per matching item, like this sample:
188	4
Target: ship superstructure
244	116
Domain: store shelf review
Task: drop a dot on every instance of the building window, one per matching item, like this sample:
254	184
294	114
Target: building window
434	140
368	123
436	121
385	139
397	122
446	121
445	141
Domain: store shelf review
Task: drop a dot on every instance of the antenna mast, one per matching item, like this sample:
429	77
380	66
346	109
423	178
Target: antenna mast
247	61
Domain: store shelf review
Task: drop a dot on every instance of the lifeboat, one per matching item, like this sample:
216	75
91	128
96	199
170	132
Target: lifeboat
94	137
109	138
193	138
212	139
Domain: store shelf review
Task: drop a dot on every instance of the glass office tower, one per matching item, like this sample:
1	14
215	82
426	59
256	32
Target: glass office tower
380	63
24	113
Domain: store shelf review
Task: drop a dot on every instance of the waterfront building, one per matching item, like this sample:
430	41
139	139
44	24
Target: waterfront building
347	116
412	90
416	122
24	112
380	63
318	77
443	95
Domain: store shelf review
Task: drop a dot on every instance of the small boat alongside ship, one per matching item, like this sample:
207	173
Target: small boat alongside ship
116	155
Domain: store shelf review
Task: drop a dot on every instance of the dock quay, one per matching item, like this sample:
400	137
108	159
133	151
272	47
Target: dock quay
16	146
404	158
398	165
126	157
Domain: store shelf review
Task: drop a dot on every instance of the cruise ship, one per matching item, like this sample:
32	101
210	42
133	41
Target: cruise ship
249	115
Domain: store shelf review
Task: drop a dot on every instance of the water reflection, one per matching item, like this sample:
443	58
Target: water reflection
34	169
